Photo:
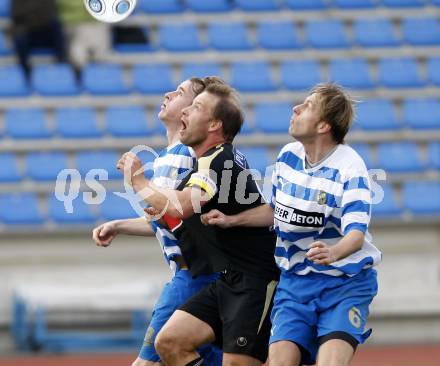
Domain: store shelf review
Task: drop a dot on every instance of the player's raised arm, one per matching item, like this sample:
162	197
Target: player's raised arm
260	216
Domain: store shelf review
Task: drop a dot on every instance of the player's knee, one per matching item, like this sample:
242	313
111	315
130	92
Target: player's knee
141	362
167	344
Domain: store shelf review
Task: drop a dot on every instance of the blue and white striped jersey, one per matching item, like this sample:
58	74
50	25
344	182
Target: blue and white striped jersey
321	203
170	168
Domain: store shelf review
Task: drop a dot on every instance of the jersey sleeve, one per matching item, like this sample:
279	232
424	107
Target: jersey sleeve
356	201
209	170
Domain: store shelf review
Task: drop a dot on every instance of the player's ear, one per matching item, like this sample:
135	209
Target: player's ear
215	125
324	127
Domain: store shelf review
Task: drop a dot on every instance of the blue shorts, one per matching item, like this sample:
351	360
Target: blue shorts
175	293
312	306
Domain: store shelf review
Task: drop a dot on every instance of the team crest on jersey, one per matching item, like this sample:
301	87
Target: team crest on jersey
240	159
322	198
148	340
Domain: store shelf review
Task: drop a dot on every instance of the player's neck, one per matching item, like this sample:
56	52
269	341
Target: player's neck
206	145
173	135
317	150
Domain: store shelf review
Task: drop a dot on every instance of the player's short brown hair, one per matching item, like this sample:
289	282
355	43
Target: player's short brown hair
227	109
336	108
200	84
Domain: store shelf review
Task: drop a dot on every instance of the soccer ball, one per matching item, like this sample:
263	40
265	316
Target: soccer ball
110	11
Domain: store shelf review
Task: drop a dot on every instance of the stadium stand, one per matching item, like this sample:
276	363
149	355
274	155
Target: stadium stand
228	36
300	75
278	35
20	209
208	6
399	73
326	34
377	114
10	171
160	6
152	79
45	166
426	193
375	33
126	122
101	79
81	212
180	37
27	123
200	70
272	117
421	113
54	80
88	160
252	77
400	157
76	123
421	31
13	82
352	73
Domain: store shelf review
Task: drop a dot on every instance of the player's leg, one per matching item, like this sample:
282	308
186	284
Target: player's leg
180	337
195	324
344	312
335	352
140	362
284	353
293	335
245	304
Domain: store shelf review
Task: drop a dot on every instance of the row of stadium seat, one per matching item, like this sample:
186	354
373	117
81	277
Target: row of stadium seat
402	157
235	36
84	122
257	76
176	6
25	208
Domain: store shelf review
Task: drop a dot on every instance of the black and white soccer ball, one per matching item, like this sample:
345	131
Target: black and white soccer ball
110	11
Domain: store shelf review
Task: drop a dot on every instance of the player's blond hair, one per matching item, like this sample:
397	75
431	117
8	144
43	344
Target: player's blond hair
336	108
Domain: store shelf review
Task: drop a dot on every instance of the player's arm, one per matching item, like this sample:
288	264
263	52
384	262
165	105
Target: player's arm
104	234
261	216
178	204
321	253
355	207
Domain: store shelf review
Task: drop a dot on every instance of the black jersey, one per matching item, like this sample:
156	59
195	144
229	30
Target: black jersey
223	173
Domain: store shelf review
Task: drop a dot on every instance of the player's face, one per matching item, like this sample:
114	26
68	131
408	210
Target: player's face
196	119
175	101
305	119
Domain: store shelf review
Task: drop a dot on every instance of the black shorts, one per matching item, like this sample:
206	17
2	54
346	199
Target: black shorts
237	307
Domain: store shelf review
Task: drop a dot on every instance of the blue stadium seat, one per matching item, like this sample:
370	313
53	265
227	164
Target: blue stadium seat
434	154
153	79
326	34
306	4
9	171
421	198
77	123
20	209
374	33
399	73
433	68
421	31
81	212
278	35
54	80
5	8
354	4
257	5
127	122
403	3
26	124
300	75
180	37
160	6
399	157
377	114
252	76
273	117
12	82
228	36
257	157
4	47
103	79
200	70
351	73
203	6
422	113
88	160
364	152
115	208
388	206
45	166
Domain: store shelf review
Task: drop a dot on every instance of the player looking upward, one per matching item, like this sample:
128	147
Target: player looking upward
173	163
234	310
320	207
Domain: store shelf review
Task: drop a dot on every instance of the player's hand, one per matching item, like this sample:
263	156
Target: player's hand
133	170
104	234
320	253
217	218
